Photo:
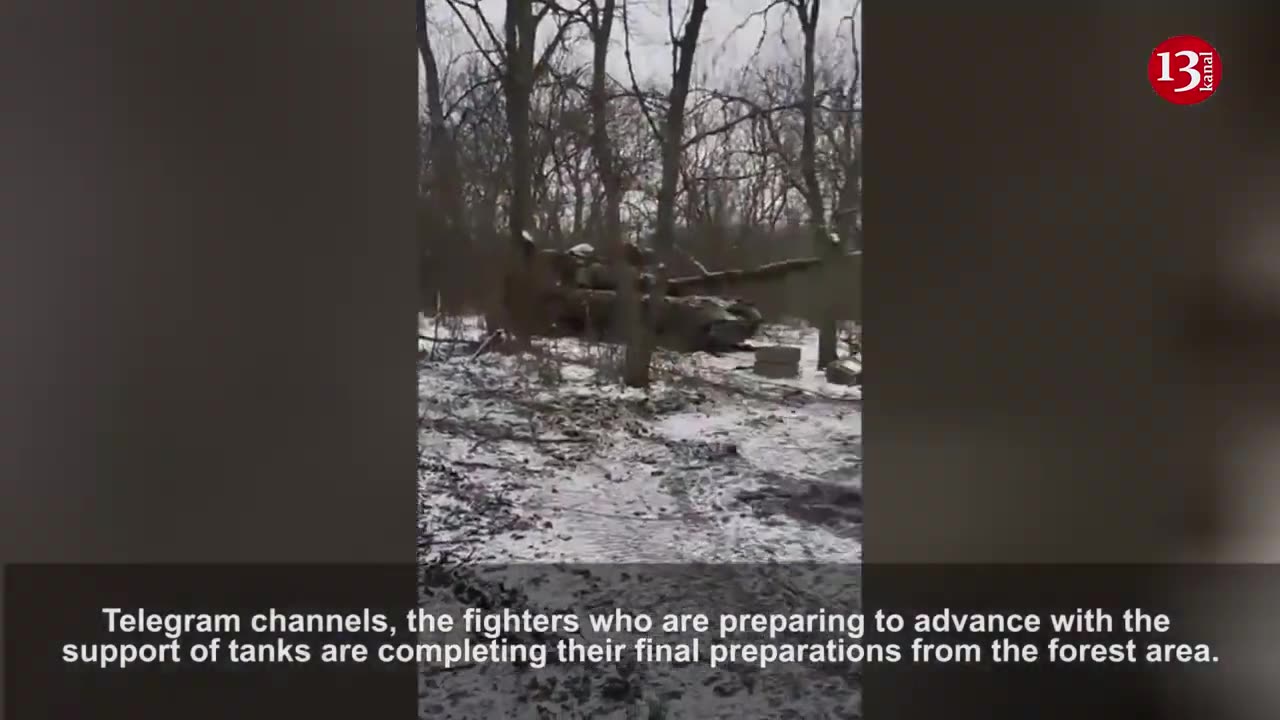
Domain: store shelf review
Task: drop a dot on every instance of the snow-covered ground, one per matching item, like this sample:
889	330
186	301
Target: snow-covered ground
544	458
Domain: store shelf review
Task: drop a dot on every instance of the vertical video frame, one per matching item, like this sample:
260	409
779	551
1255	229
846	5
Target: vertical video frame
639	340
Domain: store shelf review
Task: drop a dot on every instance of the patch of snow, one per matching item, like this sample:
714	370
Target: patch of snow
591	472
545	458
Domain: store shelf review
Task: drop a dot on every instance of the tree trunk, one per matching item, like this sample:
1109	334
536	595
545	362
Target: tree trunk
808	13
443	187
850	201
601	23
517	85
640	350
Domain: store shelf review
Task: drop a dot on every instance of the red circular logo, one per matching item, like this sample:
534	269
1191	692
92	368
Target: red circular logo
1185	70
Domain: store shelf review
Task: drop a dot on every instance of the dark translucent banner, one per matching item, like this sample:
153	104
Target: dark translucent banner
670	641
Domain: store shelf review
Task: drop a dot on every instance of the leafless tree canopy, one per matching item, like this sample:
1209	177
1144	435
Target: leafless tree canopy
716	138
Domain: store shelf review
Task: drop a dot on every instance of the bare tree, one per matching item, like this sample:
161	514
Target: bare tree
725	176
807	12
849	205
443	189
600	18
514	60
640	349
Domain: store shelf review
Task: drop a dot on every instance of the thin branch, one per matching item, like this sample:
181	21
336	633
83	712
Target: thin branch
631	71
495	48
540	68
474	87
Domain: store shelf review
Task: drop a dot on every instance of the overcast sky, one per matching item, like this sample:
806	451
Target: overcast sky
729	34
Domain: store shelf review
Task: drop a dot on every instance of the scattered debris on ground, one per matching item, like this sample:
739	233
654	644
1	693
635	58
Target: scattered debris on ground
544	458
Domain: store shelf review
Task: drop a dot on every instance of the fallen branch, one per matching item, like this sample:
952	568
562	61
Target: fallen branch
636	518
485	345
476	464
449	341
702	269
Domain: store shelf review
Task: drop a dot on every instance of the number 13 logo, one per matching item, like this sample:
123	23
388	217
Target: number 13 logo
1185	70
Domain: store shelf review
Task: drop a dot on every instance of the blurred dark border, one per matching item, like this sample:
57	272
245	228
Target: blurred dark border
208	292
208	286
1043	239
1045	303
1227	609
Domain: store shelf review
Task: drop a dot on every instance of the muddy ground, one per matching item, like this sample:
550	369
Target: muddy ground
543	460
